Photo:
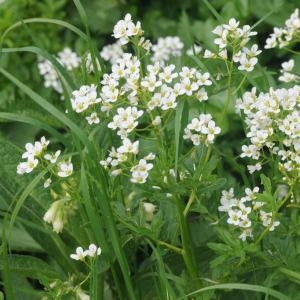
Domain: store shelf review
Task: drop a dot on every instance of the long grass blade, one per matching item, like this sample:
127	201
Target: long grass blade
242	287
28	120
50	108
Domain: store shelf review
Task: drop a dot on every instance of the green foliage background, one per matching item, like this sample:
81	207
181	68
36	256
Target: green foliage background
192	21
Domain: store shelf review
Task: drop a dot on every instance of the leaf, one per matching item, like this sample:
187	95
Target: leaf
36	123
243	287
29	266
20	240
43	20
216	185
219	248
50	108
292	275
266	182
181	118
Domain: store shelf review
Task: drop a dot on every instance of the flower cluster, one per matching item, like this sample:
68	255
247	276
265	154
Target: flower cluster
126	98
166	47
140	172
36	152
124	29
84	100
201	129
282	37
125	120
67	58
273	122
286	72
32	153
242	212
81	254
232	39
194	50
112	52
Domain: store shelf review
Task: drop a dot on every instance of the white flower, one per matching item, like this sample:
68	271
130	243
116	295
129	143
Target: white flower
52	157
201	95
149	210
165	48
234	217
129	147
93	118
232	24
47	182
112	52
124	29
246	233
156	121
209	54
253	168
92	251
139	172
54	215
247	64
195	49
79	255
288	65
28	166
203	79
65	169
69	59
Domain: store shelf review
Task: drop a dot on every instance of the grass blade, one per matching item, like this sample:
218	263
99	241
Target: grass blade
43	20
214	12
243	287
34	122
50	108
181	118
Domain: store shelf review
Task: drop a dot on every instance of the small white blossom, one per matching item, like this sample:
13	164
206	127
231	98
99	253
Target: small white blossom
65	169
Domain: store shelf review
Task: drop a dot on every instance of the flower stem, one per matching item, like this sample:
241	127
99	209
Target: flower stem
229	92
274	215
188	252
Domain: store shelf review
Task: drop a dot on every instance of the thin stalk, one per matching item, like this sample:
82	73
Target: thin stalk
240	84
229	92
274	215
193	193
169	246
188	252
190	202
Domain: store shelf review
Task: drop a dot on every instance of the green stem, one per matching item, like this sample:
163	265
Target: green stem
274	215
190	202
240	84
172	247
229	92
188	252
193	193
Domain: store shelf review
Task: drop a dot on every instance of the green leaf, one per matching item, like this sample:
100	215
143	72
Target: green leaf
219	247
216	185
43	20
36	123
243	287
29	266
50	108
181	118
266	182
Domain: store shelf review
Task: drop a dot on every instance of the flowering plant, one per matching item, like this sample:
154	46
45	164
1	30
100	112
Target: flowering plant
151	173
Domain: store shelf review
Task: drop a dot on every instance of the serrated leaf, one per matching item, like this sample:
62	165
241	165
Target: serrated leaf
219	248
266	182
216	185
